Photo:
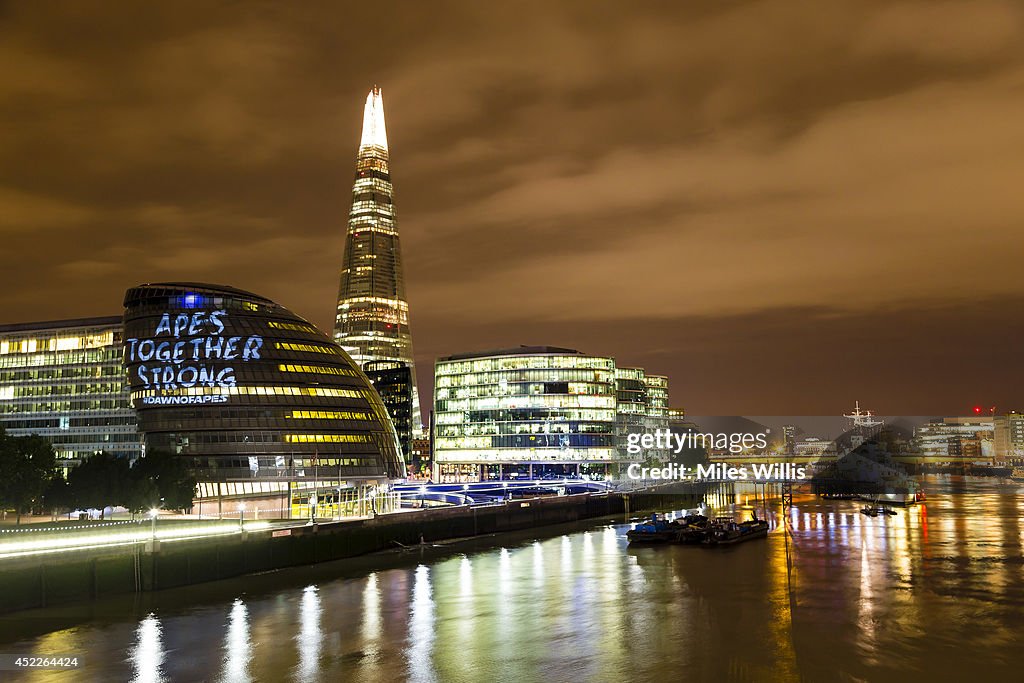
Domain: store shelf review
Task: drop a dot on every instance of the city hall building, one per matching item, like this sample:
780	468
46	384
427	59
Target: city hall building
63	380
538	412
266	409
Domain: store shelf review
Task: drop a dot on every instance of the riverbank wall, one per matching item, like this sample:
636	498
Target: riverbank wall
90	574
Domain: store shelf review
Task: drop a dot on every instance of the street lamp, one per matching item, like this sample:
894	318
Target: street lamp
153	515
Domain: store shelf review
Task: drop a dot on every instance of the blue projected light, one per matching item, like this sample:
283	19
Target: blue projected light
191	301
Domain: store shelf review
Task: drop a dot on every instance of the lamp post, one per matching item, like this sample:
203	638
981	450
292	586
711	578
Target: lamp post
152	516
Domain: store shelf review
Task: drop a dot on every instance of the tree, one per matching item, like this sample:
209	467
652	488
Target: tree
26	467
57	494
101	480
162	476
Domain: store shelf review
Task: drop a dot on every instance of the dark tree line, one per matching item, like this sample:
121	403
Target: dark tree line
30	480
27	465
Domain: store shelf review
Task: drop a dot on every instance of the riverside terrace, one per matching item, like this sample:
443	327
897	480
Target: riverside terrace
42	539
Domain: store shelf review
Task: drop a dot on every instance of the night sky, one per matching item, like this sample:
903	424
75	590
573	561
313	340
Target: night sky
783	205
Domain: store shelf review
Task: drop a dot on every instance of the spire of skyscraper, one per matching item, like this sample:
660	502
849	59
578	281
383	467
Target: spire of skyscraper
375	134
372	320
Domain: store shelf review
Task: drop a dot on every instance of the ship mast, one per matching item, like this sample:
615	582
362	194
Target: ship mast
863	419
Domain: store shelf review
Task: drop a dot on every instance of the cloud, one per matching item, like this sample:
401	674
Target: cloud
585	163
24	211
943	31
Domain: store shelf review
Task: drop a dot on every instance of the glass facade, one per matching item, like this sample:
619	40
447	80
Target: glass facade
373	313
642	407
532	406
255	397
64	381
393	381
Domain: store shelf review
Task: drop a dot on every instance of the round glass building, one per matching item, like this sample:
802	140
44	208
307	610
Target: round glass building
265	406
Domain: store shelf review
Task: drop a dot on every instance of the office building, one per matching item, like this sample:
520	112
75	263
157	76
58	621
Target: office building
541	412
63	380
421	458
956	439
393	381
1009	438
531	411
641	408
267	410
372	312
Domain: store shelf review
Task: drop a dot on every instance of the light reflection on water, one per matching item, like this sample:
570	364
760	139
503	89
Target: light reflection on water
308	640
237	646
421	629
935	592
147	656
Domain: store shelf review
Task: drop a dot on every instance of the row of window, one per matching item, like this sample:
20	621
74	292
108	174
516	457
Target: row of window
89	358
511	402
65	342
496	428
442	443
527	415
241	438
526	389
553	455
69	389
292	327
21	406
509	376
335	392
327	438
308	348
463	367
318	370
328	415
63	422
63	373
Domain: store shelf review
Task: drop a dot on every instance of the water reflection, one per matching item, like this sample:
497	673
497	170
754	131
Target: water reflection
309	636
931	593
421	629
237	646
371	629
148	654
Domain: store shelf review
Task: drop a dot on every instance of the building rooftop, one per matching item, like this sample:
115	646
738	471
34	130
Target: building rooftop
164	288
61	324
516	351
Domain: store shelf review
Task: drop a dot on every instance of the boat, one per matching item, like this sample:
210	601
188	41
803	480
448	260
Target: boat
694	531
657	530
729	532
661	530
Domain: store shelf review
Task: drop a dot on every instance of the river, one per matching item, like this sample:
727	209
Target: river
935	593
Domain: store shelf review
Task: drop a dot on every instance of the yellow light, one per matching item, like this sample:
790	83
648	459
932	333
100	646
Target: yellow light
85	540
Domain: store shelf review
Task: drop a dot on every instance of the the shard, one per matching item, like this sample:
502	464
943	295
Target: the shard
372	320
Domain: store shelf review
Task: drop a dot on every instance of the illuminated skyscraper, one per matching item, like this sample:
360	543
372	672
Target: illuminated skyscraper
373	314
